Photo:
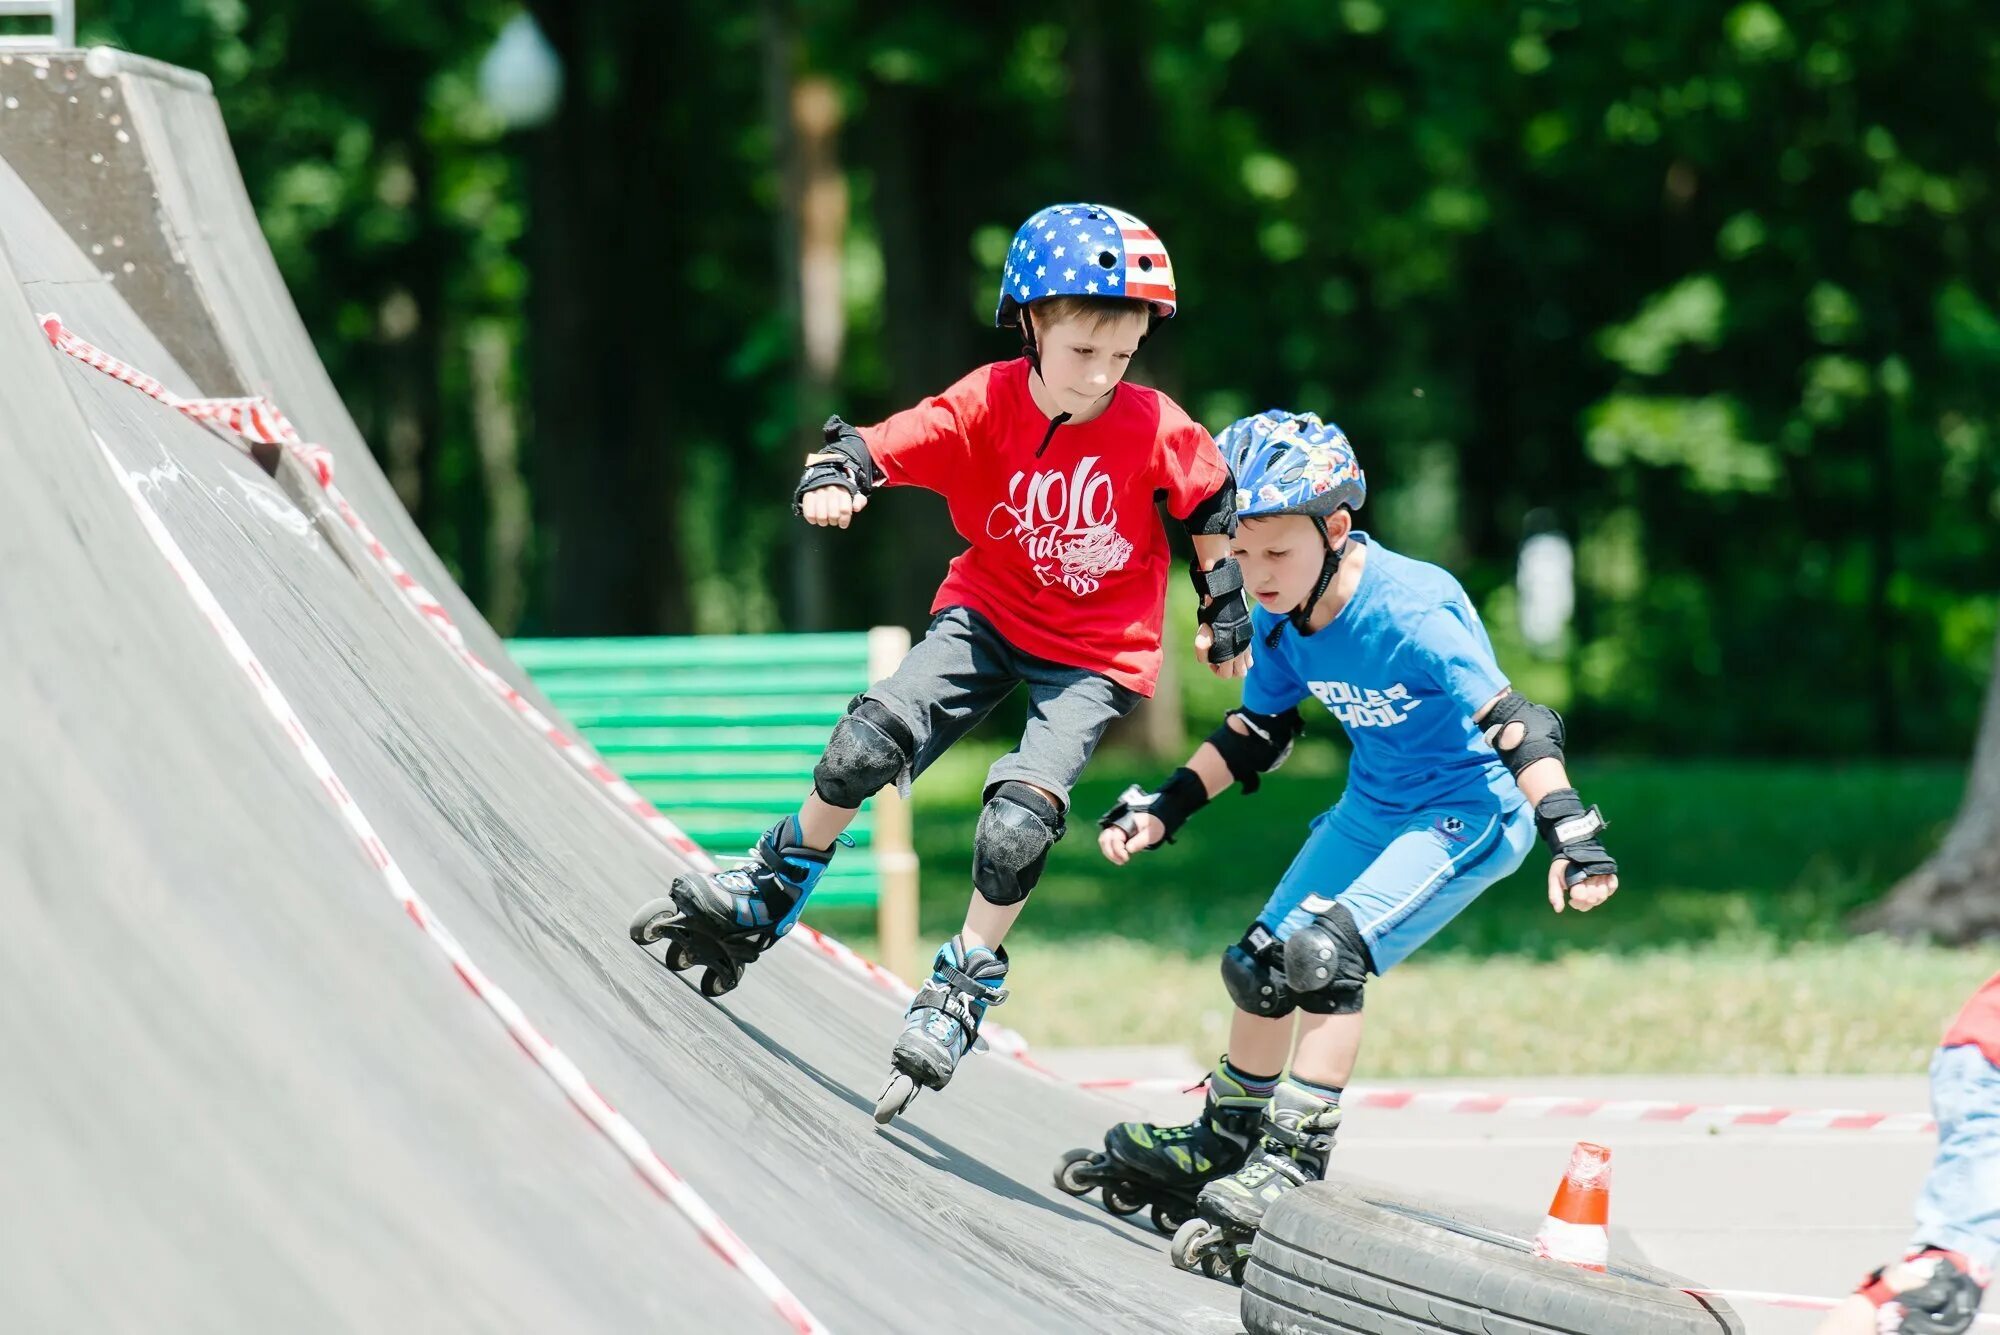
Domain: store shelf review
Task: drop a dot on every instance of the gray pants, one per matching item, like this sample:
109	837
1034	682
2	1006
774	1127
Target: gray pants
962	668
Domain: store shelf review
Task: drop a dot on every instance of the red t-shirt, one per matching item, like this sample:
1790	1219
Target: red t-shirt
1068	557
1978	1025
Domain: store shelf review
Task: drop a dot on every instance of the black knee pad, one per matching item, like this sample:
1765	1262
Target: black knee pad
1253	971
1327	963
868	749
1017	828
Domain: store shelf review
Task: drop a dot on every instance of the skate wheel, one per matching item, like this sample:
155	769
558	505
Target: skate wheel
1121	1200
896	1096
1236	1270
1072	1174
679	957
1167	1219
715	982
1190	1240
650	918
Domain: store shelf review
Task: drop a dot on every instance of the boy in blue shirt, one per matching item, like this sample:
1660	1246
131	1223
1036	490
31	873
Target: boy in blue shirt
1452	774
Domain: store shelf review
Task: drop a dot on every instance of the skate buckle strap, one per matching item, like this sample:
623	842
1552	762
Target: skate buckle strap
1293	1169
1298	1137
954	1001
1282	1137
964	983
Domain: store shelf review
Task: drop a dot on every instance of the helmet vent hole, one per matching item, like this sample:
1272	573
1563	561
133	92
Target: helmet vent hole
1107	260
1146	263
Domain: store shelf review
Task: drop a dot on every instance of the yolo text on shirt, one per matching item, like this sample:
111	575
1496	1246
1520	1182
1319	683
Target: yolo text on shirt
1067	557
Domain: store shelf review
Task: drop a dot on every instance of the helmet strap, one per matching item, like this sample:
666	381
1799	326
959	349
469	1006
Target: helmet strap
1329	566
1028	348
1152	323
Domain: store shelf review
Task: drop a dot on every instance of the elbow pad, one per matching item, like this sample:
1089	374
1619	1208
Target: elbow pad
1542	732
1215	516
1256	753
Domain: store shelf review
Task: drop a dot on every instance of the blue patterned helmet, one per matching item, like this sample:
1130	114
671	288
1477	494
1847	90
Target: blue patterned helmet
1291	464
1085	250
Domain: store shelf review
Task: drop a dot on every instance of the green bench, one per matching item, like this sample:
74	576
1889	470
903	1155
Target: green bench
720	732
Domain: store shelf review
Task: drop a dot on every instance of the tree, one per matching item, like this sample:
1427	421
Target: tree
1955	895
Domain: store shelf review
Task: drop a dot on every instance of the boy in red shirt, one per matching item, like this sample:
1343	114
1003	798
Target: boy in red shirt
1936	1288
1052	468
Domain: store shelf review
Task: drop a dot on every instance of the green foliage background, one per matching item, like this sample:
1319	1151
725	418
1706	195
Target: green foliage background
1710	287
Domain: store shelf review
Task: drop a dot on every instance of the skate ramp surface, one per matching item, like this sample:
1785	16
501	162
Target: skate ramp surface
244	1093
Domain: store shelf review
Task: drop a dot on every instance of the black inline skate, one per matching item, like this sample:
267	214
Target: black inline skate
1296	1142
1164	1167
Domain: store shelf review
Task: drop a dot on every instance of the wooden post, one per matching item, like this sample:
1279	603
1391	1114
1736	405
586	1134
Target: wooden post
895	855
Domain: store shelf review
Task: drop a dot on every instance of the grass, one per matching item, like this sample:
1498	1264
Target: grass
1725	951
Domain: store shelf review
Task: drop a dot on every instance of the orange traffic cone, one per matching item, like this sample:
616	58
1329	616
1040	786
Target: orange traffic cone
1577	1230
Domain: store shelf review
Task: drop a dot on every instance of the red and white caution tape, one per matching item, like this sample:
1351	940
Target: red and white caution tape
567	1076
1613	1110
259	421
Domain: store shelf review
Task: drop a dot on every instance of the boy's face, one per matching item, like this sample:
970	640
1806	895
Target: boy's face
1084	359
1281	556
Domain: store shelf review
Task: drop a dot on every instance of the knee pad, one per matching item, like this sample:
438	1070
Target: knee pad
867	751
1253	972
1327	962
1017	828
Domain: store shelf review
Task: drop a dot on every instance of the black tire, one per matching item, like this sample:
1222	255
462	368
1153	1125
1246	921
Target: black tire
1353	1258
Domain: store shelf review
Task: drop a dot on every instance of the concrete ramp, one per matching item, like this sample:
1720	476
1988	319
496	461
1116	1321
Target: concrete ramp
244	1091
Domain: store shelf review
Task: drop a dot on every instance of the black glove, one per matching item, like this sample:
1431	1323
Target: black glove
1944	1304
1570	830
1179	797
852	467
1224	613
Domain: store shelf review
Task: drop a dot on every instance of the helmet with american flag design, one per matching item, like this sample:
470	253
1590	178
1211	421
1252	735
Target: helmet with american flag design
1085	250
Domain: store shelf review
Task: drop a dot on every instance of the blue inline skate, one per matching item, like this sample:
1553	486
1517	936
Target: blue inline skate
724	920
942	1022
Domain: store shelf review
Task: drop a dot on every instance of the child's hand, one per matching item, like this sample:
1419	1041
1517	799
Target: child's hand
831	506
1239	666
1585	895
1119	846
